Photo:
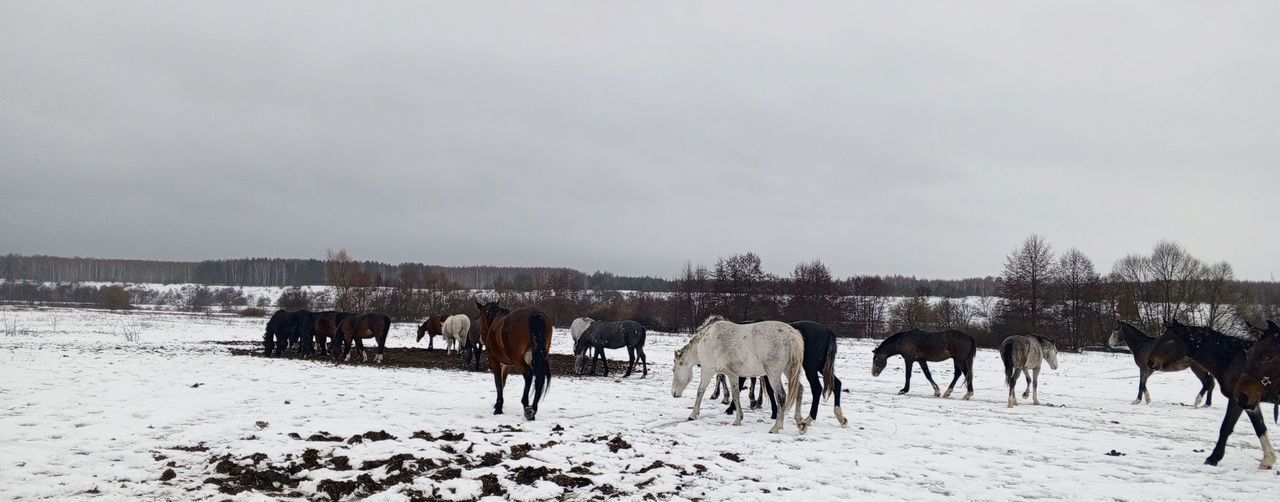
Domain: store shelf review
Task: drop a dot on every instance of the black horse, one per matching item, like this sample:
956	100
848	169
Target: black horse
1224	357
917	346
473	350
323	331
602	335
819	369
1140	345
283	330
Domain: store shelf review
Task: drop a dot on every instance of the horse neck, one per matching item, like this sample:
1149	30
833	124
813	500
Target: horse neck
892	346
1136	340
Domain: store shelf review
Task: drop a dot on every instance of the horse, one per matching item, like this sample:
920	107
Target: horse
363	326
1140	345
454	328
431	328
1260	380
767	348
578	326
517	341
1224	357
925	347
324	328
819	369
601	335
474	348
754	397
282	331
1023	354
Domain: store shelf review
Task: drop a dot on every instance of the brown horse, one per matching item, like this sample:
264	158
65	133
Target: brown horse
363	326
431	328
1223	357
325	327
1260	380
517	342
925	347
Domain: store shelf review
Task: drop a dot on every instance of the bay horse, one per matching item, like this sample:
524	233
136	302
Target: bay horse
1022	354
768	348
454	328
1224	357
357	328
432	327
517	341
282	331
925	347
324	330
819	369
1260	380
579	326
1140	345
600	335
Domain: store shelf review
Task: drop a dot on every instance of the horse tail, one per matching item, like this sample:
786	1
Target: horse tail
973	354
829	367
794	372
1006	355
541	365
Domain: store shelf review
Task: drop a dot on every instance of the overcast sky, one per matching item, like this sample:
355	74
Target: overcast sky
883	137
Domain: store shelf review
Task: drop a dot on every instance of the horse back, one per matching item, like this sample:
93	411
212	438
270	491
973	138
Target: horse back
511	337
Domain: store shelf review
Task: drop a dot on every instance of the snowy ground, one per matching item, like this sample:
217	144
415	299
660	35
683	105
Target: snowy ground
87	414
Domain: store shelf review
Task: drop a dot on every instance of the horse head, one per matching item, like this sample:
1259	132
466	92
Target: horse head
422	330
1049	349
683	368
1260	379
489	312
1117	335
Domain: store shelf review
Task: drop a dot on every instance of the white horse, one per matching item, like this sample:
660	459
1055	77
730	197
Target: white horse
455	329
1022	354
579	327
767	348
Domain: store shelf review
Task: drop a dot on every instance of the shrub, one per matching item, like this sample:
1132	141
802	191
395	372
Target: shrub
114	298
252	312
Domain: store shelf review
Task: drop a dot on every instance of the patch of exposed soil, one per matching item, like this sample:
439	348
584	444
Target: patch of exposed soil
413	357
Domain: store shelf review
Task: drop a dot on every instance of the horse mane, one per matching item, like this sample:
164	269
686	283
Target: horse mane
711	319
1135	329
892	339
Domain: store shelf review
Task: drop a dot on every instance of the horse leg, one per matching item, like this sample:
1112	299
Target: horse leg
499	381
1206	387
906	387
716	395
733	407
382	348
703	381
815	388
603	360
1035	386
364	356
844	422
1260	428
1027	393
346	348
1228	425
955	377
737	399
968	378
773	381
767	388
755	398
631	361
1011	379
924	366
268	343
529	412
1142	384
644	362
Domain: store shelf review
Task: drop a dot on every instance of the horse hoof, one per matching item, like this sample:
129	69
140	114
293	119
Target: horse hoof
946	394
1211	461
775	430
1264	467
529	412
967	396
844	422
903	391
1037	403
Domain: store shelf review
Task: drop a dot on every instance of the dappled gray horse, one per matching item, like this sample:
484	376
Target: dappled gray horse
600	335
768	348
1023	354
579	326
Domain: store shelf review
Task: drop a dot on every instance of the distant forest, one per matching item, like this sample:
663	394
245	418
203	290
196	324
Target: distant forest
284	272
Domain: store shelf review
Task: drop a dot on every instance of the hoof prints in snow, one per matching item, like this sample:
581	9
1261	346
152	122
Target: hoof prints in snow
420	475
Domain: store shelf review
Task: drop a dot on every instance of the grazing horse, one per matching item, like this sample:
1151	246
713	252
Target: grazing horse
474	348
601	335
324	328
768	348
282	330
1224	357
819	369
1140	345
363	326
454	328
579	326
1023	354
432	327
517	341
925	347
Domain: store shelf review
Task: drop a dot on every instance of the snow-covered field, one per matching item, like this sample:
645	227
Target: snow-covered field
86	413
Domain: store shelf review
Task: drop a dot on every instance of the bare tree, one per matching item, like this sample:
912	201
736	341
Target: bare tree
1078	290
1222	296
1029	271
1175	275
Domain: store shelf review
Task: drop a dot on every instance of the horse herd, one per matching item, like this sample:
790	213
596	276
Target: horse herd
518	342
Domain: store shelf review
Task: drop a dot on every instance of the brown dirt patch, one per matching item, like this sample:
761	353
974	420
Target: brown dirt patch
405	357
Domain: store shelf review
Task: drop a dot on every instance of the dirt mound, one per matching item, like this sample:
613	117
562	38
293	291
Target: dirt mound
398	357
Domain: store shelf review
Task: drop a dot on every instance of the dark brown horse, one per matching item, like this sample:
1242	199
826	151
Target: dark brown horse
324	328
473	350
431	328
1224	357
917	346
1140	346
357	328
1260	380
517	342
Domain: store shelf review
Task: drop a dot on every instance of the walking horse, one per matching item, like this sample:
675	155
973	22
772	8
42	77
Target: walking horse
517	342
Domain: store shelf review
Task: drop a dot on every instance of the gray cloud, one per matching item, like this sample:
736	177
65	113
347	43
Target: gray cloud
882	138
